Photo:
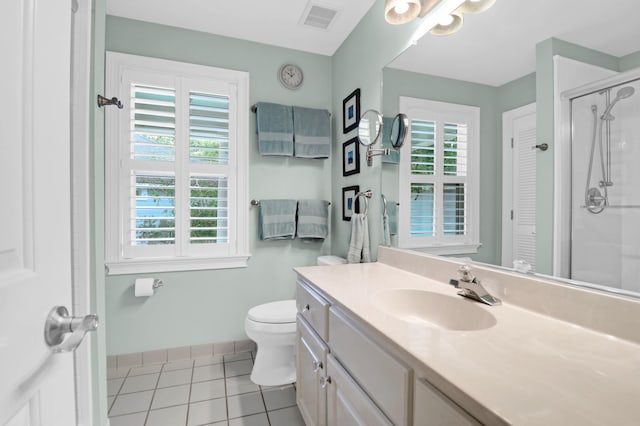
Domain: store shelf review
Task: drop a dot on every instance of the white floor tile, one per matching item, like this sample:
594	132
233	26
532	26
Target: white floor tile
254	420
167	397
245	405
147	369
240	384
139	383
129	420
211	411
114	385
115	373
131	403
238	368
237	357
217	359
208	372
178	365
276	398
286	417
203	391
172	416
174	378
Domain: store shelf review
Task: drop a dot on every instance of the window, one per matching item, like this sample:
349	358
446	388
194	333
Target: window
439	177
176	166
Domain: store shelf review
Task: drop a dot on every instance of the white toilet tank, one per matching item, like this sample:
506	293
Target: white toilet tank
331	260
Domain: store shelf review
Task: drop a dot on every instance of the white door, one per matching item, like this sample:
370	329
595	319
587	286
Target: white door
519	186
36	385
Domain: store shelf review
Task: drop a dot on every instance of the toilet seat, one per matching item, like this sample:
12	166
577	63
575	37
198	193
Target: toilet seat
280	312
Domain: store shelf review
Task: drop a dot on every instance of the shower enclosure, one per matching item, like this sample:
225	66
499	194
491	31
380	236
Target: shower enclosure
605	186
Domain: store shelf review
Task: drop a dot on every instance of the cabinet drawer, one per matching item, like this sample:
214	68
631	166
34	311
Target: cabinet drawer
432	408
311	365
382	377
314	309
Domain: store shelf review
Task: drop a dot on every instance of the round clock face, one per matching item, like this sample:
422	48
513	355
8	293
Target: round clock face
290	76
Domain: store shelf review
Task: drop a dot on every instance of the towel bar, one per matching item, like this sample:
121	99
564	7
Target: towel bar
366	194
254	108
257	202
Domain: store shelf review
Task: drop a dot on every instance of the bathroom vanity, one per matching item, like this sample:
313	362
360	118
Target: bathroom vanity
392	343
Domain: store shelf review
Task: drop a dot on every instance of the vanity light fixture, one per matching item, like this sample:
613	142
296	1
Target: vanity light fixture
448	25
401	11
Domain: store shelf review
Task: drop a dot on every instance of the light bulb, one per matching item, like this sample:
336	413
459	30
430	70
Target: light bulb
401	7
446	20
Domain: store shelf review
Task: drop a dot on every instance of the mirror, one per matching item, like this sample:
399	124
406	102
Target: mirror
399	127
525	75
370	127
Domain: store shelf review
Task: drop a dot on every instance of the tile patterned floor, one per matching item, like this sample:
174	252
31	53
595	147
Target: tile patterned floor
209	391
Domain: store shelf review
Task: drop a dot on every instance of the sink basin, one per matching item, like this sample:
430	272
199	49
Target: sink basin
433	309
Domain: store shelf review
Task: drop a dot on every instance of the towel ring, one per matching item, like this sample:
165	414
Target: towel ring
367	194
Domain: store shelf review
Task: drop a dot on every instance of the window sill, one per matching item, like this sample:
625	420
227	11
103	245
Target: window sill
449	249
137	266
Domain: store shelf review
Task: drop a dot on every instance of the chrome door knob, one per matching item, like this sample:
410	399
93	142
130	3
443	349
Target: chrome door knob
59	323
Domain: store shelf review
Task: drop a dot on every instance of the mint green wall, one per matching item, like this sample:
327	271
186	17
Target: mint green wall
210	306
492	101
630	61
358	63
545	51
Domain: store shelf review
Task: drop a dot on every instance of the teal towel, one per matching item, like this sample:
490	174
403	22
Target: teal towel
392	213
278	219
394	156
359	246
312	130
275	129
313	220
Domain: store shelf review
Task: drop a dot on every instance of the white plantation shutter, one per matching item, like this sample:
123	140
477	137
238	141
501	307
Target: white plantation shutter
179	169
438	180
524	194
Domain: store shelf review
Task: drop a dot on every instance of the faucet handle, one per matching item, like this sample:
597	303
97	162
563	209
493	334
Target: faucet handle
465	273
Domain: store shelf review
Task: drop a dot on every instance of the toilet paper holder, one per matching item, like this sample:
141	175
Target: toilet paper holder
157	282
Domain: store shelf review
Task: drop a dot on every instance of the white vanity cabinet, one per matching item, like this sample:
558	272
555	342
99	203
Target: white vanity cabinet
310	371
347	376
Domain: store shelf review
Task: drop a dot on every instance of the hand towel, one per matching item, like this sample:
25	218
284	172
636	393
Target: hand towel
392	212
275	129
359	249
313	220
386	236
394	156
278	219
312	132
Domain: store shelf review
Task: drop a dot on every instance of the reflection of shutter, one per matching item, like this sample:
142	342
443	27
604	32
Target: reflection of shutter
422	147
524	189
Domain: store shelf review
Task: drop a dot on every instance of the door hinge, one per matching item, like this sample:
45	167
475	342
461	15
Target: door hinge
511	142
511	214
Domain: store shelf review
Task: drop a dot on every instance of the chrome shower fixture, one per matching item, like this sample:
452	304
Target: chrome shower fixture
624	93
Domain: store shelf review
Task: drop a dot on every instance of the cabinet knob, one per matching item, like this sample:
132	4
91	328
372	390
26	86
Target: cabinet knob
306	308
324	381
317	365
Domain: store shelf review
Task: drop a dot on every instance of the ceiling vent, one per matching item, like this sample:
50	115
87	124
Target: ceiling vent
318	16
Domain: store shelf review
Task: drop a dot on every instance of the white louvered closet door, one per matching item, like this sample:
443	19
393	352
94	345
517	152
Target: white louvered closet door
524	189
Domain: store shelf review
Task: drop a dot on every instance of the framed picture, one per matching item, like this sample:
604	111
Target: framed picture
350	157
351	111
349	201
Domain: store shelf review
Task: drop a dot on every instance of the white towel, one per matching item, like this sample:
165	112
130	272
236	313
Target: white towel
359	248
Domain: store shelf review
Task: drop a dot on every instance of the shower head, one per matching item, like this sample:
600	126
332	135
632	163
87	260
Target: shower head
624	93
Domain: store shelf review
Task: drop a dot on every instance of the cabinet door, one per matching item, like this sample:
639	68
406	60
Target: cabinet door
347	404
432	408
311	397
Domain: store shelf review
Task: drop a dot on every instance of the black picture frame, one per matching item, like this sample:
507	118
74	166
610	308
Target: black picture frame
351	157
351	111
349	201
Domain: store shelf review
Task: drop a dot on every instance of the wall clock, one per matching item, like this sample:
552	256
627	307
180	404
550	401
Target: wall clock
290	76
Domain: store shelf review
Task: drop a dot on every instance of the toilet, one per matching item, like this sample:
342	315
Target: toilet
273	327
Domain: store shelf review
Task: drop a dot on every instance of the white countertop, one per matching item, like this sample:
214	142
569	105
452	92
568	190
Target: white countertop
528	369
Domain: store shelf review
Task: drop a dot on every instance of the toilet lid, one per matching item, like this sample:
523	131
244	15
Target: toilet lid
282	311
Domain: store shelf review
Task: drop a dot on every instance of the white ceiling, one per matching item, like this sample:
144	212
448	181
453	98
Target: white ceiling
493	47
275	22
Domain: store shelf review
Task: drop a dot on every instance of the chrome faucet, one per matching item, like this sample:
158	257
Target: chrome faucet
470	287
